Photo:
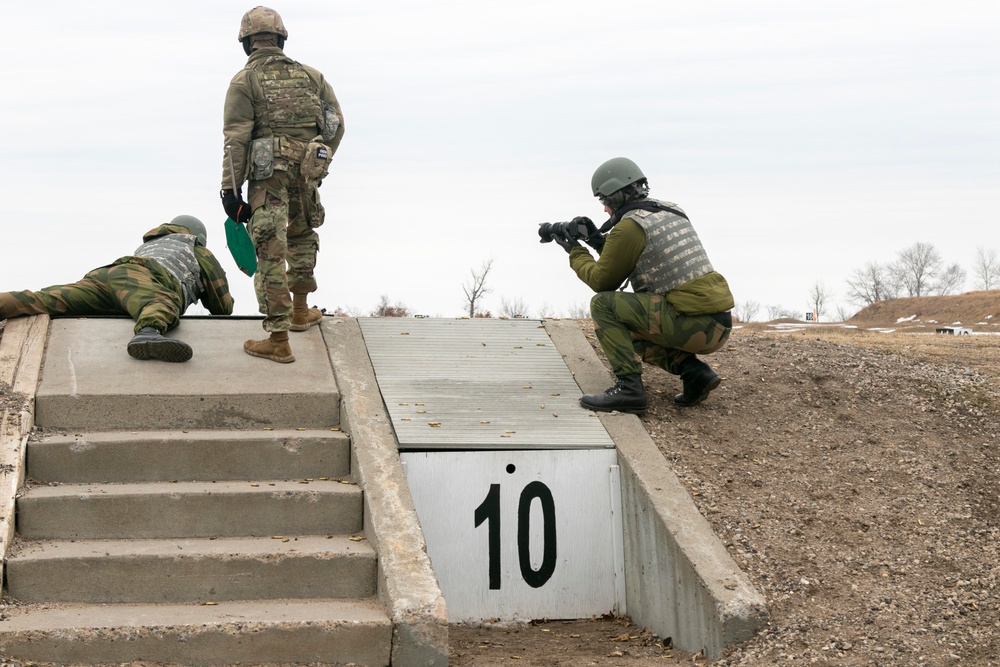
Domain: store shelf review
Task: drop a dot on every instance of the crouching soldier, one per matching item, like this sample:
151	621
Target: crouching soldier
679	307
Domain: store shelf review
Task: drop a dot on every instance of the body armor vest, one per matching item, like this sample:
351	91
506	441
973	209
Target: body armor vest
673	254
175	253
290	97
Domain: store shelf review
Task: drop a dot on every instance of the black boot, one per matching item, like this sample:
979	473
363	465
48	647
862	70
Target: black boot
151	344
699	379
628	395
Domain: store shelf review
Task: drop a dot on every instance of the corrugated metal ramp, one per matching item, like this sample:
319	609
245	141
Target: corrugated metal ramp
478	384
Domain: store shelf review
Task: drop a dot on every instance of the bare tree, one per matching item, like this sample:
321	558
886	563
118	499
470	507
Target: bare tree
951	280
385	309
776	312
578	311
513	307
546	310
476	287
986	269
842	313
916	268
747	310
870	284
818	296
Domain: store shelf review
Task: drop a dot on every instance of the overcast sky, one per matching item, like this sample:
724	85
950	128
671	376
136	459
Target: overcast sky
803	139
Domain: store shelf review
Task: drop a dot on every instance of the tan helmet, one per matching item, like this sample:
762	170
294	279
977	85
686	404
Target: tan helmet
261	19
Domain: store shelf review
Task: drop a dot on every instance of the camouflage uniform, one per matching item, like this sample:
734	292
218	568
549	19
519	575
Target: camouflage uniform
641	327
284	105
138	286
679	307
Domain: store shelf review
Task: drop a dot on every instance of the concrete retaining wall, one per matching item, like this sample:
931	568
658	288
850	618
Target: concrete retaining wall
406	583
680	580
21	350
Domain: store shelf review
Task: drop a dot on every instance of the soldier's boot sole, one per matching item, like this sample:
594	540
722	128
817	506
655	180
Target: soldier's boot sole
163	349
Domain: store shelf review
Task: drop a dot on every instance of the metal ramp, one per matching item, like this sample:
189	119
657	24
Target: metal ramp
478	384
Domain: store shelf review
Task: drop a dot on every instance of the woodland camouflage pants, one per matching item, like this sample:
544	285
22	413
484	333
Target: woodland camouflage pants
637	327
286	212
151	296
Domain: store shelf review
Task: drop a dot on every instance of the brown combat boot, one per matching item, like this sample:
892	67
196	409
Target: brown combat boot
275	348
303	316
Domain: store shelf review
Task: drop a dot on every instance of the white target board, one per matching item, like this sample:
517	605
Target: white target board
522	534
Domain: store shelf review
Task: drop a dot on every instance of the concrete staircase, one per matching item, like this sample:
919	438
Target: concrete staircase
190	546
165	546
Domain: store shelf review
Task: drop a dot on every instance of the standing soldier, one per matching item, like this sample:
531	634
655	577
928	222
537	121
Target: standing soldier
282	125
170	271
679	307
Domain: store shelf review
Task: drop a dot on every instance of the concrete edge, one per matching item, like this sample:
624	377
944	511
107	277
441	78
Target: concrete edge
407	584
21	351
680	580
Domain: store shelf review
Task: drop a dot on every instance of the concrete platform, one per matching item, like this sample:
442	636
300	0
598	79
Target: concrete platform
88	376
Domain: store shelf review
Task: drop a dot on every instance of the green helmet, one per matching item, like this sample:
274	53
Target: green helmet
193	225
261	19
614	175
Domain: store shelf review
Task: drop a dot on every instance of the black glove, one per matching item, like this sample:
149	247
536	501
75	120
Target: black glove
594	237
235	207
566	241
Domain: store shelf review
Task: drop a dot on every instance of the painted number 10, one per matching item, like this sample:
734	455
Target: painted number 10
489	512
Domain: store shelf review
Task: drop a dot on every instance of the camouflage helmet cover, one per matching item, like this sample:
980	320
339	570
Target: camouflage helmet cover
614	175
193	225
261	19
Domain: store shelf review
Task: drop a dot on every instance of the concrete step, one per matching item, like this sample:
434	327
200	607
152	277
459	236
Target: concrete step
160	456
189	509
91	384
203	570
229	633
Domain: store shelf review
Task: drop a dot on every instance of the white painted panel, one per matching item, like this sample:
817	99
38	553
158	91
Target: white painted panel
450	489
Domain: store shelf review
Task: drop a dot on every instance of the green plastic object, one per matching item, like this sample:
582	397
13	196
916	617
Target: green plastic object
241	247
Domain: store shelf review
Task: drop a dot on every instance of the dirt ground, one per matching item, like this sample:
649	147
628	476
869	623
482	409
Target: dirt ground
853	474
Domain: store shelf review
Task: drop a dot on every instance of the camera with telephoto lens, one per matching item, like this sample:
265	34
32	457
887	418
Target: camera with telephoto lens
548	231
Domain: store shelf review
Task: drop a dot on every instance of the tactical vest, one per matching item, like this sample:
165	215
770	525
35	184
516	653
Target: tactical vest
175	253
673	254
291	99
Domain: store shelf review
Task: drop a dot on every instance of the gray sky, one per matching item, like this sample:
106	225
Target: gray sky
803	139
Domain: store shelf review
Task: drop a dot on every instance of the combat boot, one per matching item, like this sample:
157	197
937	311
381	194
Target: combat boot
627	395
699	380
275	348
303	316
149	343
